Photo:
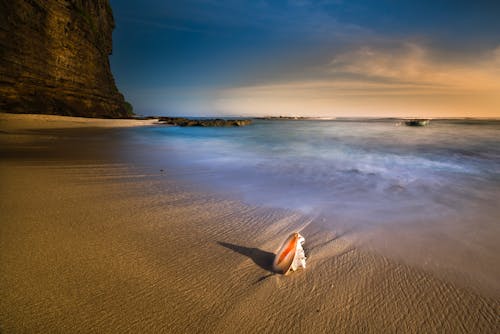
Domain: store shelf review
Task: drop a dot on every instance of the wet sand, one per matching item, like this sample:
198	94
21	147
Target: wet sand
88	244
10	122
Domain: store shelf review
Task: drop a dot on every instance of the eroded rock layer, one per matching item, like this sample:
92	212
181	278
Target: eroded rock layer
54	58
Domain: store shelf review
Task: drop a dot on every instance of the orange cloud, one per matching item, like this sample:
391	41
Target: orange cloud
376	82
413	64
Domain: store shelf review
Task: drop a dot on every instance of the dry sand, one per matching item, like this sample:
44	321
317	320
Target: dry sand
108	247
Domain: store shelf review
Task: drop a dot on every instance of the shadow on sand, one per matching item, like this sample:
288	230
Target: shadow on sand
261	258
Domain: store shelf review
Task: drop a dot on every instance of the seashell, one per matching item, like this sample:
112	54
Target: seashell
290	256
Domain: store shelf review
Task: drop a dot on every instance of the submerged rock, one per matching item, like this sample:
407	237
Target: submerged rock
417	122
218	122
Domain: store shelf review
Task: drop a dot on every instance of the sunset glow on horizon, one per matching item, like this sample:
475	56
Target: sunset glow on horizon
376	83
309	58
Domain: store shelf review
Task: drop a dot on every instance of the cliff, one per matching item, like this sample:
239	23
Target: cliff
54	58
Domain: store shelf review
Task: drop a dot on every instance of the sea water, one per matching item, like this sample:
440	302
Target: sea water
365	165
428	193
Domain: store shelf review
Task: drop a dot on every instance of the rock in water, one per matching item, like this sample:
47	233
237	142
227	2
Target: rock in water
290	256
54	58
181	121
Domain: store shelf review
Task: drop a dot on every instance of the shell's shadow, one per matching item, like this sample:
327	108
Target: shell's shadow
261	258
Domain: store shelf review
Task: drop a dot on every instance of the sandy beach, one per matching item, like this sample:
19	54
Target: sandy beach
89	243
13	122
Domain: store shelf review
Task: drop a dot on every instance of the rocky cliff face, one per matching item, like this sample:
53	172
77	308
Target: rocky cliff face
54	58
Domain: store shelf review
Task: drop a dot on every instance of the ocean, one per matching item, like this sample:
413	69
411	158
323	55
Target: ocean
357	167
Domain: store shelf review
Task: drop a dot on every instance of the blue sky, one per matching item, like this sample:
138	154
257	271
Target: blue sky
302	57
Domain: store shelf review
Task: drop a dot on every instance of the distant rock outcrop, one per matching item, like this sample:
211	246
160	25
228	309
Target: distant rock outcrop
54	58
294	118
181	121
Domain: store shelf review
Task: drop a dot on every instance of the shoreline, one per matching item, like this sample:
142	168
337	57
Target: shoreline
100	245
17	122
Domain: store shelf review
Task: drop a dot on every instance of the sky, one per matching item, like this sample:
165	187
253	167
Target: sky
325	58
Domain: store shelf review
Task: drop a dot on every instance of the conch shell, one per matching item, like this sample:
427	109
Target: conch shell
290	256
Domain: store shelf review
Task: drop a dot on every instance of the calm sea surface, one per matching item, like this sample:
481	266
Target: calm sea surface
430	193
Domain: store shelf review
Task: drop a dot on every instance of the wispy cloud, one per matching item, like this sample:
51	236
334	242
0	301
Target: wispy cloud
496	56
299	17
407	78
312	57
413	63
161	25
